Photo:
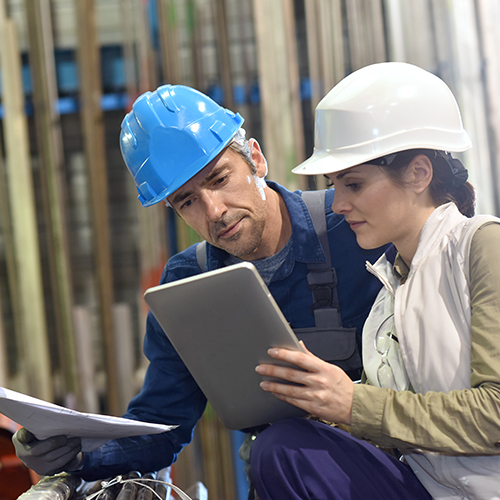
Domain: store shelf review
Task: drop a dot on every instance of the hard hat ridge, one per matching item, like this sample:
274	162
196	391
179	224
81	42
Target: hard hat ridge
170	135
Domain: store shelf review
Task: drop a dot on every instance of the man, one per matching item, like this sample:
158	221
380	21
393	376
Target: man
183	148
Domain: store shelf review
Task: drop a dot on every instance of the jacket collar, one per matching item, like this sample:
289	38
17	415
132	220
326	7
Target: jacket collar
436	227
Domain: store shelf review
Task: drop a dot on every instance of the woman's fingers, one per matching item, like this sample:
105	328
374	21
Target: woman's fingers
305	360
310	383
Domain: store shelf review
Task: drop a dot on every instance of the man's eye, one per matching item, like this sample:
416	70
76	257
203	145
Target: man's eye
221	180
186	204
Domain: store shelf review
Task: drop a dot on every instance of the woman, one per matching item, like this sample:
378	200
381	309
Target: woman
431	344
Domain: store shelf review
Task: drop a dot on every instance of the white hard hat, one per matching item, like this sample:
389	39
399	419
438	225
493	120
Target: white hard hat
381	109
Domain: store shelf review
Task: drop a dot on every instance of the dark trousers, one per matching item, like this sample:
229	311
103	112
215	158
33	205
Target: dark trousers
303	459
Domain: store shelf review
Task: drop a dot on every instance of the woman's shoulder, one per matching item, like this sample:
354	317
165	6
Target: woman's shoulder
486	239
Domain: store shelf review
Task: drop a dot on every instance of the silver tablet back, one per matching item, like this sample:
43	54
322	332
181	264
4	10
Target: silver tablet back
222	323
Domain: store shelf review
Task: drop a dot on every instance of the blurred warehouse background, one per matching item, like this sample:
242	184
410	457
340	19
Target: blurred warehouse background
77	250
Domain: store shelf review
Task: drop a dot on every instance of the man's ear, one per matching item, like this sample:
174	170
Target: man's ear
419	173
258	158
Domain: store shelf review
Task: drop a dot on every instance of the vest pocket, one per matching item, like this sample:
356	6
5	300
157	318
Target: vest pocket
335	345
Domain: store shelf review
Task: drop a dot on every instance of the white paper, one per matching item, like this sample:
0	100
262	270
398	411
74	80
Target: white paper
45	420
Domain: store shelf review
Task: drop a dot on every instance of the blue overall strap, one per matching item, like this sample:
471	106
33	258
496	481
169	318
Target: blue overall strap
201	255
322	278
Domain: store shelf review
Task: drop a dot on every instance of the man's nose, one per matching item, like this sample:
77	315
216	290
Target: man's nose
214	206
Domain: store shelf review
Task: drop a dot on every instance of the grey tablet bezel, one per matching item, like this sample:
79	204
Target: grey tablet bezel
222	324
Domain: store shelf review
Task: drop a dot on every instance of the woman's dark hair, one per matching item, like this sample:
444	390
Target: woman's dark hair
449	179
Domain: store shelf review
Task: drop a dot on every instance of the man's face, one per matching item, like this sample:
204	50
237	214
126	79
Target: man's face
223	204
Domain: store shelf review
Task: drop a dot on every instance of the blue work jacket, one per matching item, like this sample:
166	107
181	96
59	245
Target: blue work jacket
171	396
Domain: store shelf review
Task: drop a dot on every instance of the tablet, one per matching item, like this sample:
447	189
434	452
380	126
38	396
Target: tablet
222	324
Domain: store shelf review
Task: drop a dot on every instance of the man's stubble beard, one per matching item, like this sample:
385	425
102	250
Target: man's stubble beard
234	245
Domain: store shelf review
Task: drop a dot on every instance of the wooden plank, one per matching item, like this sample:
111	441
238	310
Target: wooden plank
317	31
169	40
489	18
245	65
127	15
334	45
194	13
224	55
4	372
279	88
443	42
36	361
85	360
470	96
419	36
395	31
356	35
375	21
325	41
152	242
43	74
325	46
366	32
459	65
125	359
95	153
295	99
10	261
87	331
188	468
314	33
217	456
226	459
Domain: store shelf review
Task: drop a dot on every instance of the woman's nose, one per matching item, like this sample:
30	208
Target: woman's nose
340	204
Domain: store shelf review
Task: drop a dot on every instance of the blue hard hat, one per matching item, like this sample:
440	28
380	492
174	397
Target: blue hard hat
170	135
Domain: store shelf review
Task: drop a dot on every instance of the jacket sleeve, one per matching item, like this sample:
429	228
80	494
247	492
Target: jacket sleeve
461	421
169	395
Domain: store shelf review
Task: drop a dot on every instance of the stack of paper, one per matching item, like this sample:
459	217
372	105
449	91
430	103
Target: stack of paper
45	420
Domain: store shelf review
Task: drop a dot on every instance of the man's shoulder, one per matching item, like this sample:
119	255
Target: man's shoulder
333	219
181	265
294	199
300	211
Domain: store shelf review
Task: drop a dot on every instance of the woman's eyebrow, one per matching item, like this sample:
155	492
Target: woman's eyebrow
345	172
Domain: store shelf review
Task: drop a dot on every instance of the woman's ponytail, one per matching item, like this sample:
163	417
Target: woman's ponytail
449	183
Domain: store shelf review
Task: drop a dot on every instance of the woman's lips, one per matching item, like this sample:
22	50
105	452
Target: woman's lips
355	224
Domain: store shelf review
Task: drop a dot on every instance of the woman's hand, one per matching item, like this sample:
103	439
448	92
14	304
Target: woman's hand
325	392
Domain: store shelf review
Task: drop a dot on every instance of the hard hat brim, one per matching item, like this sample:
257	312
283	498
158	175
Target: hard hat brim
323	162
328	162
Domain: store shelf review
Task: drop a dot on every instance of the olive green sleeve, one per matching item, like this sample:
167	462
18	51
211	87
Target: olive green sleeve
461	421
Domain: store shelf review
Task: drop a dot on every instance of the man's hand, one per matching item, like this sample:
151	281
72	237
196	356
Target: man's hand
48	456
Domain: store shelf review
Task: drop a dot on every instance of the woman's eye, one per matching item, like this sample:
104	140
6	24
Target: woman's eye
354	186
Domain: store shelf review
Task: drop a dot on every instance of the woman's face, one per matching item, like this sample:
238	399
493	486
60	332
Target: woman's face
377	209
